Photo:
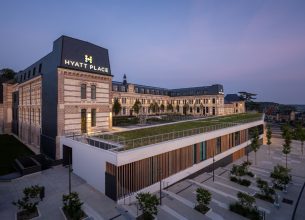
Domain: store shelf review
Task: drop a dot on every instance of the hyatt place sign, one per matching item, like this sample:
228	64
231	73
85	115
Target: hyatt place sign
86	65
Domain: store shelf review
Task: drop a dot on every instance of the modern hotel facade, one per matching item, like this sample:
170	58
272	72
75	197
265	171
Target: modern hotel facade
70	91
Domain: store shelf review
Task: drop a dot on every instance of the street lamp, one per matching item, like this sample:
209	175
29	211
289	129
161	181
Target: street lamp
160	174
70	171
213	162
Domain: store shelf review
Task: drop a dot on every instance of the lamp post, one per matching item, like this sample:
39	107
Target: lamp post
160	174
213	163
70	170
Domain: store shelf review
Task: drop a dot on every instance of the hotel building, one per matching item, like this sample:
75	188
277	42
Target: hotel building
70	91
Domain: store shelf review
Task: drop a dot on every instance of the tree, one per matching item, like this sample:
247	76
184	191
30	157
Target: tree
280	176
269	135
248	98
6	74
136	106
203	198
185	108
254	143
177	108
148	204
300	134
30	200
246	200
169	107
162	107
73	205
116	107
156	107
287	141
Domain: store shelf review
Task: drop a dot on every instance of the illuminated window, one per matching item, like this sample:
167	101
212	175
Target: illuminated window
93	117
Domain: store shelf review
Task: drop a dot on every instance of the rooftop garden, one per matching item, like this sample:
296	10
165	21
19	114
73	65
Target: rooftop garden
145	136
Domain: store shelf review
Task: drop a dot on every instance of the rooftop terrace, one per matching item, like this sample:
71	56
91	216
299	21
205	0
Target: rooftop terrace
120	141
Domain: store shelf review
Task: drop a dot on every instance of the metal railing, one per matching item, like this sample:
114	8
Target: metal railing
143	141
118	143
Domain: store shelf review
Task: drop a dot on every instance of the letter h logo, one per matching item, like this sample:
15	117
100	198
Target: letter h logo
88	59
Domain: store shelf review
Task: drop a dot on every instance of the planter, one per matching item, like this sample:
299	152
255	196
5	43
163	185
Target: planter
202	209
67	217
23	215
143	217
264	197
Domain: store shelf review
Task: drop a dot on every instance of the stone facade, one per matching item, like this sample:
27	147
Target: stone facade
207	105
71	104
29	111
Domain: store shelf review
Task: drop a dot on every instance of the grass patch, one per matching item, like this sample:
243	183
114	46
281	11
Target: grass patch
10	149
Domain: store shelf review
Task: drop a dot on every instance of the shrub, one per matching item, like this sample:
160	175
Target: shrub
252	214
245	206
148	204
243	182
280	176
249	173
203	198
73	206
241	170
266	192
32	195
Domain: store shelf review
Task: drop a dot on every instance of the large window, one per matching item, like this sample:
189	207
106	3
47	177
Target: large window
83	121
93	117
93	91
83	91
203	151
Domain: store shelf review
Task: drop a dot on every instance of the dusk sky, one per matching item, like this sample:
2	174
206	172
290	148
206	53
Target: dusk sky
252	45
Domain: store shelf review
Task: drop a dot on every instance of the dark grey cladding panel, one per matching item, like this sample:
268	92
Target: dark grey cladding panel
84	56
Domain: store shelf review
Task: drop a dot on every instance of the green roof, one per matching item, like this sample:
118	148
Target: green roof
150	135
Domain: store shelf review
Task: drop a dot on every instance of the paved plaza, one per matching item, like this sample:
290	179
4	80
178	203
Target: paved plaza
178	200
55	181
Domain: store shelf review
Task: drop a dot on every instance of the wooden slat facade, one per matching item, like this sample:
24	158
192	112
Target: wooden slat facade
140	174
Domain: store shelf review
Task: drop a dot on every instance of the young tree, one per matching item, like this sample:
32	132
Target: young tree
156	107
246	200
269	135
203	198
116	107
300	134
177	108
280	176
162	107
287	141
151	107
254	143
186	107
148	204
169	107
136	106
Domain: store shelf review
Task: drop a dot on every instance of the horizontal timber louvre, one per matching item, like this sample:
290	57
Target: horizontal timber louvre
137	175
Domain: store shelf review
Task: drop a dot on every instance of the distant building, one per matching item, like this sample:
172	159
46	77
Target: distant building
234	104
